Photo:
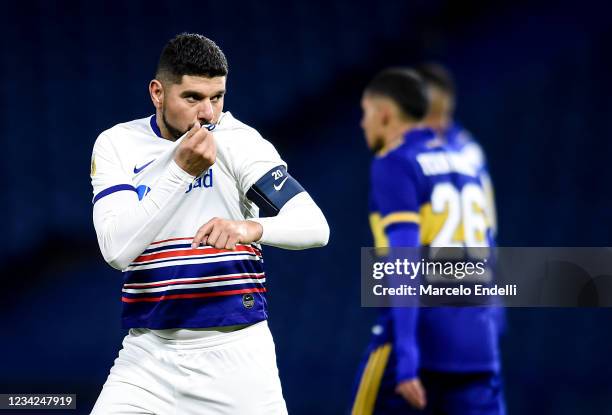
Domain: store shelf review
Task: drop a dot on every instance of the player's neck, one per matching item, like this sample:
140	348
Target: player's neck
395	134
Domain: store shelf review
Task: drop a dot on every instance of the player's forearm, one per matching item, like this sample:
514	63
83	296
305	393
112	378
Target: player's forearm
405	318
300	224
126	226
405	342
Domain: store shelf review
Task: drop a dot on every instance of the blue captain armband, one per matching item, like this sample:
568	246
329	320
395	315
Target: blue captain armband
273	190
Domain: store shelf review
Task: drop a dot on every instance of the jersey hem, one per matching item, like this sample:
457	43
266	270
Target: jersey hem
476	368
175	323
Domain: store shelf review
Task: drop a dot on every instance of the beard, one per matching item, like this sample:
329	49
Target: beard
174	132
177	133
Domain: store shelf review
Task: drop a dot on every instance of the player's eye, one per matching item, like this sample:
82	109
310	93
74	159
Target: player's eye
216	98
191	99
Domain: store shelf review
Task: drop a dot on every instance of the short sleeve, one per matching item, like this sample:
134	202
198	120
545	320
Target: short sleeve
395	190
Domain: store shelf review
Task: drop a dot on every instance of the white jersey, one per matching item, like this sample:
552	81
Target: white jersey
169	284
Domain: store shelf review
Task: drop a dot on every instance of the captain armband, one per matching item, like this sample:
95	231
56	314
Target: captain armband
273	190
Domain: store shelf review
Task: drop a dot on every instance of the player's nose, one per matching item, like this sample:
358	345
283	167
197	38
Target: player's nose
205	111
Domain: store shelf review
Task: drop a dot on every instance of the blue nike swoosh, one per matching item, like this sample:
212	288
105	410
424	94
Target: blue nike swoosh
139	169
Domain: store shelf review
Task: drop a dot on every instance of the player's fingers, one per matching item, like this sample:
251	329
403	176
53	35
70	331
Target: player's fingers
412	400
207	150
222	241
214	235
205	138
418	396
199	237
195	122
202	145
231	242
423	401
420	401
411	393
193	130
196	135
202	233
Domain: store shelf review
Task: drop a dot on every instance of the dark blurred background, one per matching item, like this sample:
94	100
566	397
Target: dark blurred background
534	88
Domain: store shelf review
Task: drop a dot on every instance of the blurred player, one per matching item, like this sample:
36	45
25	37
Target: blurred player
177	208
440	117
430	360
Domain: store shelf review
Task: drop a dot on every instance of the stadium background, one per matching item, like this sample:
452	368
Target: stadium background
534	85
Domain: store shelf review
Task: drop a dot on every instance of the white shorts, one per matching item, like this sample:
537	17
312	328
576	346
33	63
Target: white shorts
231	373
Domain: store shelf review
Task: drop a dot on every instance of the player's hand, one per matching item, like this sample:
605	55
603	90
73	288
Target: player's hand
412	390
225	234
197	152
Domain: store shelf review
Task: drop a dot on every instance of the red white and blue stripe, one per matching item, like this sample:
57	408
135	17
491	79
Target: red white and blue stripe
173	285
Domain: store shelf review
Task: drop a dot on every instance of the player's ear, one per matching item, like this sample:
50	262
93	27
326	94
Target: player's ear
385	114
156	90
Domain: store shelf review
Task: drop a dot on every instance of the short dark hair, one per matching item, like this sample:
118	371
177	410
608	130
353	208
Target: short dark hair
190	54
405	88
438	76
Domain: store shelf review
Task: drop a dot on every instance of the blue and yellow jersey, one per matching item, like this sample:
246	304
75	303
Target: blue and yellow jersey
428	191
461	140
434	185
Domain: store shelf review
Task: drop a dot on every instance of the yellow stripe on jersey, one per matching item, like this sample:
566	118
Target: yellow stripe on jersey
400	217
479	236
378	231
459	234
370	380
378	225
431	223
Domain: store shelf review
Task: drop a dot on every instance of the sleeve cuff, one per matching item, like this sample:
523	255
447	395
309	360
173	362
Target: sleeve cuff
264	224
407	364
403	376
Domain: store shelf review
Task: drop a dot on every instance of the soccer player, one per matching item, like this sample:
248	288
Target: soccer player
440	118
183	199
430	360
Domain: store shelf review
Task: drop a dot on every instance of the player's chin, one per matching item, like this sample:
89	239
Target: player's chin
375	146
372	142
